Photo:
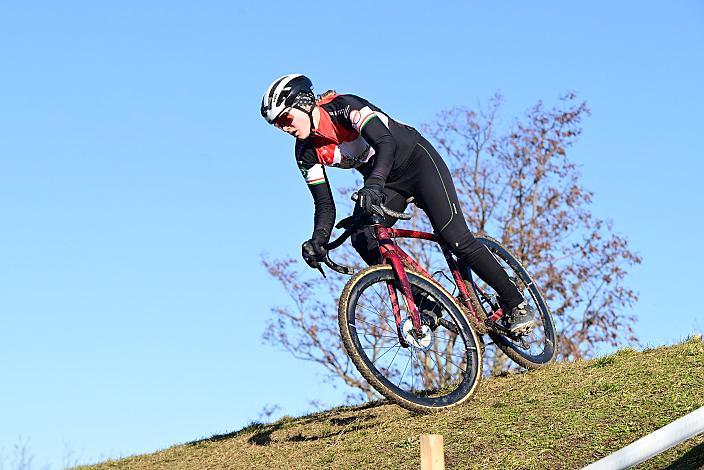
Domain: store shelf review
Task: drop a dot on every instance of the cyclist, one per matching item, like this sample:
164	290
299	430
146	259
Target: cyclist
397	163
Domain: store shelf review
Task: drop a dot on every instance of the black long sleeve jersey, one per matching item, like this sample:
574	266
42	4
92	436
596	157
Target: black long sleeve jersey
352	133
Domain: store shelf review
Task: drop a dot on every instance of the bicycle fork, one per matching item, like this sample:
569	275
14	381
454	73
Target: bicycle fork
386	247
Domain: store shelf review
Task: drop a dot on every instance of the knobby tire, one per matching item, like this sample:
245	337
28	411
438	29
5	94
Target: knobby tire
525	282
472	344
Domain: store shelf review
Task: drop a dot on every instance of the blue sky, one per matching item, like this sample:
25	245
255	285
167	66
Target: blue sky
139	185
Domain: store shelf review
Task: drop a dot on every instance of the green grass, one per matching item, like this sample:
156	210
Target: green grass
564	416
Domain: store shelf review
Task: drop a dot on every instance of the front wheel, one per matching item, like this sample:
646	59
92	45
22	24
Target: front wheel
535	349
437	369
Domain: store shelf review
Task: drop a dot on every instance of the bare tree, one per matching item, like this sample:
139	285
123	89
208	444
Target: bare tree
22	457
519	186
523	186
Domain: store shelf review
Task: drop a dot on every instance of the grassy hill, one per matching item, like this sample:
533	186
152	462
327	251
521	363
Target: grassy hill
565	416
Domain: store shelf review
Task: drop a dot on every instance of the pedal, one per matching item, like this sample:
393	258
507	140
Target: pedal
515	336
496	316
494	326
525	330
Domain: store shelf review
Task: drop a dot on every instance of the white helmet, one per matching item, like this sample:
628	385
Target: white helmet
292	90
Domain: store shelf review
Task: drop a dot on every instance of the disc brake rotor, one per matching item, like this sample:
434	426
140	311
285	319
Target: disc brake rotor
424	342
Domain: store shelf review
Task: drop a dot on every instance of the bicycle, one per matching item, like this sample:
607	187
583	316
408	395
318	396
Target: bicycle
437	330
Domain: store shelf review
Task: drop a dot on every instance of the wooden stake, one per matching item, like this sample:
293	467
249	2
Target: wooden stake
432	455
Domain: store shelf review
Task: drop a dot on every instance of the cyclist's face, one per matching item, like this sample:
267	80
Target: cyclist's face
295	122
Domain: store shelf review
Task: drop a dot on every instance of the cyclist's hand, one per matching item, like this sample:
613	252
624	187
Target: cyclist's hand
369	196
313	252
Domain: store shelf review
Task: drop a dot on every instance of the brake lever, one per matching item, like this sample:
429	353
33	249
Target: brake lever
383	210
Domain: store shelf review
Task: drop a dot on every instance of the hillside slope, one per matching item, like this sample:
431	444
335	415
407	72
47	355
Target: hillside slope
565	416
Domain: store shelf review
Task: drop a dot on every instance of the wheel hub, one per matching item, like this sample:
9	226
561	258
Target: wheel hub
423	342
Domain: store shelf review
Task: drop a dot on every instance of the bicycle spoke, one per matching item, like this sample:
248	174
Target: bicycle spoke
435	362
458	367
443	337
376	313
413	373
389	349
443	373
374	325
381	336
398	348
538	347
460	355
381	347
438	366
383	317
404	372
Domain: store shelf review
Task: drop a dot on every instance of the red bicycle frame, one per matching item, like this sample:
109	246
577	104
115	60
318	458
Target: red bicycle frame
399	260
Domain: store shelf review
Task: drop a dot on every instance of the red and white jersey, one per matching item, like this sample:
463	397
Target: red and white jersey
342	139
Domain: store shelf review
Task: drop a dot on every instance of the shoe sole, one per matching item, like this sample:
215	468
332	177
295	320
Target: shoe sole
523	328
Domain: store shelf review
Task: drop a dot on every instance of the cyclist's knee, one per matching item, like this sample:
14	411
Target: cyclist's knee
463	244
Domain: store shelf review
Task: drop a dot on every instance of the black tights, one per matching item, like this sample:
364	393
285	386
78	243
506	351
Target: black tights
428	180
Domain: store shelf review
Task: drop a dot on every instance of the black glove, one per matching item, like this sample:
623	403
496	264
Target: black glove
370	195
313	252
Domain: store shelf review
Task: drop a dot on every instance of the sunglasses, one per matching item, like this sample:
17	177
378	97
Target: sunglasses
283	120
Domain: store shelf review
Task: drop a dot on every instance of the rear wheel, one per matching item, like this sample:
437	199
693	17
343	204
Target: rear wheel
437	369
532	350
